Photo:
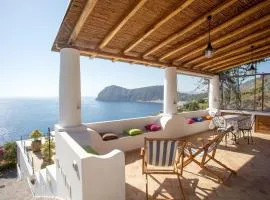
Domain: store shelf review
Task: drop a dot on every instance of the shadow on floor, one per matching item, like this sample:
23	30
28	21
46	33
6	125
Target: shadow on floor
9	174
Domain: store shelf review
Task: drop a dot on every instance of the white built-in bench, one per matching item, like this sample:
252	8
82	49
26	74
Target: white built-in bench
171	127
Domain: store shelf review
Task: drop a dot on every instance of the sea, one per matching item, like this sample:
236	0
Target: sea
20	116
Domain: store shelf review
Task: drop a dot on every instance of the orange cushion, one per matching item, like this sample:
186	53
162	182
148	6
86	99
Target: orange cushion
208	117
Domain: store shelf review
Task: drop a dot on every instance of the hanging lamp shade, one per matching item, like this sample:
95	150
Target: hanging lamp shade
209	51
252	65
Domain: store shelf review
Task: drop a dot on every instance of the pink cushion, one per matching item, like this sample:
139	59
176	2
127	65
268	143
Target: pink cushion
155	127
148	127
190	121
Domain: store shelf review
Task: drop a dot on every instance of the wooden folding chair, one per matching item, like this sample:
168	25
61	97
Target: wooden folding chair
202	155
163	156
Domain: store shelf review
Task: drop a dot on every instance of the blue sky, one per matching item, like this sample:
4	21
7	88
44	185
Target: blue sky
29	68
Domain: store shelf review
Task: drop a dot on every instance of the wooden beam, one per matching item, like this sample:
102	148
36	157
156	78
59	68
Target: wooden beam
259	57
157	25
236	49
122	22
125	58
191	26
89	6
228	23
237	57
250	26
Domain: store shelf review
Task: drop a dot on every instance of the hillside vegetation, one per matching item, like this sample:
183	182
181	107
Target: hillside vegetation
145	94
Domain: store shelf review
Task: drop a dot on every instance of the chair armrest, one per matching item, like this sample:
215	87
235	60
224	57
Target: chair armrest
142	151
191	145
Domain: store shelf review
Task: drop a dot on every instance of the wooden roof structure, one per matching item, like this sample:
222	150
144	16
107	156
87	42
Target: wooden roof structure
166	33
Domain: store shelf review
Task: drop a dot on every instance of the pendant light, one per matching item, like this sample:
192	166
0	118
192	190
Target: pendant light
252	65
208	52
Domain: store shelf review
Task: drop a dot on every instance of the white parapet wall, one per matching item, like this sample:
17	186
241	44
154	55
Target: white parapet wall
172	126
24	168
83	176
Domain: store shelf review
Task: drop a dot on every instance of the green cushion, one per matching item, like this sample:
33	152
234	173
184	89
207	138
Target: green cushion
89	149
134	131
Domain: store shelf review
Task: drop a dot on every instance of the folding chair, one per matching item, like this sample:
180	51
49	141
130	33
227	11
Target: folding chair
205	153
163	156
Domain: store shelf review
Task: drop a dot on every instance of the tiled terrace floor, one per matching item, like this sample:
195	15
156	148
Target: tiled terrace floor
251	161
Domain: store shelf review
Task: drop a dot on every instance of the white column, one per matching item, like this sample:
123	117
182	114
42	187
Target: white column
170	91
214	93
69	88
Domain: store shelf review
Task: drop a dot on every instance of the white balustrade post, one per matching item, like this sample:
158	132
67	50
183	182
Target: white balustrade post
214	94
69	88
170	91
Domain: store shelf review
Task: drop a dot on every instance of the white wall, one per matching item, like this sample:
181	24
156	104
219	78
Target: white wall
104	176
68	151
118	126
23	166
92	173
173	126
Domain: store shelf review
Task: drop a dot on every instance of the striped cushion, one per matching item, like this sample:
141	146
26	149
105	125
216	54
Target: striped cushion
161	153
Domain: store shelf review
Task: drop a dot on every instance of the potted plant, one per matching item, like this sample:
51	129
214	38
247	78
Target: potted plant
47	151
36	143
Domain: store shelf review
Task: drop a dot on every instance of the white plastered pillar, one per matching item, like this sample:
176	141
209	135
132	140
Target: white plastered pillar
214	93
69	88
170	91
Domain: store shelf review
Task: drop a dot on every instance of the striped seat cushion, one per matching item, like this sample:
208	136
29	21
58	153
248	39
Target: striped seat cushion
161	153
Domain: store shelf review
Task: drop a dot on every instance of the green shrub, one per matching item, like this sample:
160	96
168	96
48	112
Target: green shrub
35	134
10	154
191	106
6	166
46	151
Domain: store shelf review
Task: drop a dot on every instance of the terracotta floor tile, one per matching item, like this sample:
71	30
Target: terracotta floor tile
252	163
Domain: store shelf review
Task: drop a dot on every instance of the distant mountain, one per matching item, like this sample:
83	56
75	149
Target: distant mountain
145	94
250	83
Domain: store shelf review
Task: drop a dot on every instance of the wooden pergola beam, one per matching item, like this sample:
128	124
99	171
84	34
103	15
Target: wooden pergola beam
191	26
157	25
219	65
235	64
236	50
230	35
105	55
84	15
239	17
121	23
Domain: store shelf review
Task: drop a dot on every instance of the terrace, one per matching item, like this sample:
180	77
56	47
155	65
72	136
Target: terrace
251	182
175	37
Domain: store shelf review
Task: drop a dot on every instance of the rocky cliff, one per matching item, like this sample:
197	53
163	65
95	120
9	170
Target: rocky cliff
146	94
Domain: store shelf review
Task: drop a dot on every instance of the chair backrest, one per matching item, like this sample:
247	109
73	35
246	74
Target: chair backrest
213	144
252	121
247	123
218	122
162	152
